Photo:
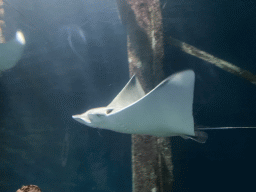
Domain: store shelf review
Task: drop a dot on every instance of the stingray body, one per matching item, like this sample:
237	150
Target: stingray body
11	52
164	111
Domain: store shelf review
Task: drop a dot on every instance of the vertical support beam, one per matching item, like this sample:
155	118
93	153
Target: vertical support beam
2	23
151	156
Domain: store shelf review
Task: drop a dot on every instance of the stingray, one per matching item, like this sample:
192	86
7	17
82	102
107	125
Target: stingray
11	51
165	111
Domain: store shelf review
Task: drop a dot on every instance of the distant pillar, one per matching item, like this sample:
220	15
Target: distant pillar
151	156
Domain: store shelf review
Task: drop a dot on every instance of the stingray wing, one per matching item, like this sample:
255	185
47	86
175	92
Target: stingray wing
128	95
11	51
164	111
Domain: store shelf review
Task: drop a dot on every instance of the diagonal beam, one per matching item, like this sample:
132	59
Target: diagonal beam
226	66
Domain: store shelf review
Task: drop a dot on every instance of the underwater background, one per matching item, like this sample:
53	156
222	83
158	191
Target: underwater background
75	59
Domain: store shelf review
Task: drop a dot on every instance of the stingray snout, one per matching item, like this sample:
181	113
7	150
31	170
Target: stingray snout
82	119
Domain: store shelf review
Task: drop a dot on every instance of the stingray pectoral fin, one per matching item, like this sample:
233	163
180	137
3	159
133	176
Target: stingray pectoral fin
176	102
11	52
164	111
131	93
200	137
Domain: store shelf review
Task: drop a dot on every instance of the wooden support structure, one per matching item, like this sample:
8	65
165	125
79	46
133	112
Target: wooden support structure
151	156
224	65
2	23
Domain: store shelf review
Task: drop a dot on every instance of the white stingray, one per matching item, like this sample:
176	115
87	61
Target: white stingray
11	52
165	111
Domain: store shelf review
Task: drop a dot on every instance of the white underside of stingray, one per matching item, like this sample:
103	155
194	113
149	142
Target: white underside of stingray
165	111
11	52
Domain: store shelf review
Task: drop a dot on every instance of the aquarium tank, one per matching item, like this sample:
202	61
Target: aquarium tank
70	105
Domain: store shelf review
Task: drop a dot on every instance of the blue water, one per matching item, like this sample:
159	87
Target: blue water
69	66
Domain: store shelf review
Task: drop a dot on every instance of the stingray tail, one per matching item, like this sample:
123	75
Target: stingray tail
212	128
199	137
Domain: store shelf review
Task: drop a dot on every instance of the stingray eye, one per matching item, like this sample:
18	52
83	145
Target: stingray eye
99	115
109	111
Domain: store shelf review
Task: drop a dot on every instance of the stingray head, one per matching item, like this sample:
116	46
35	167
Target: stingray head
94	117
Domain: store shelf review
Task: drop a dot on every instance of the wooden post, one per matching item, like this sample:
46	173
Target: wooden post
151	156
2	23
